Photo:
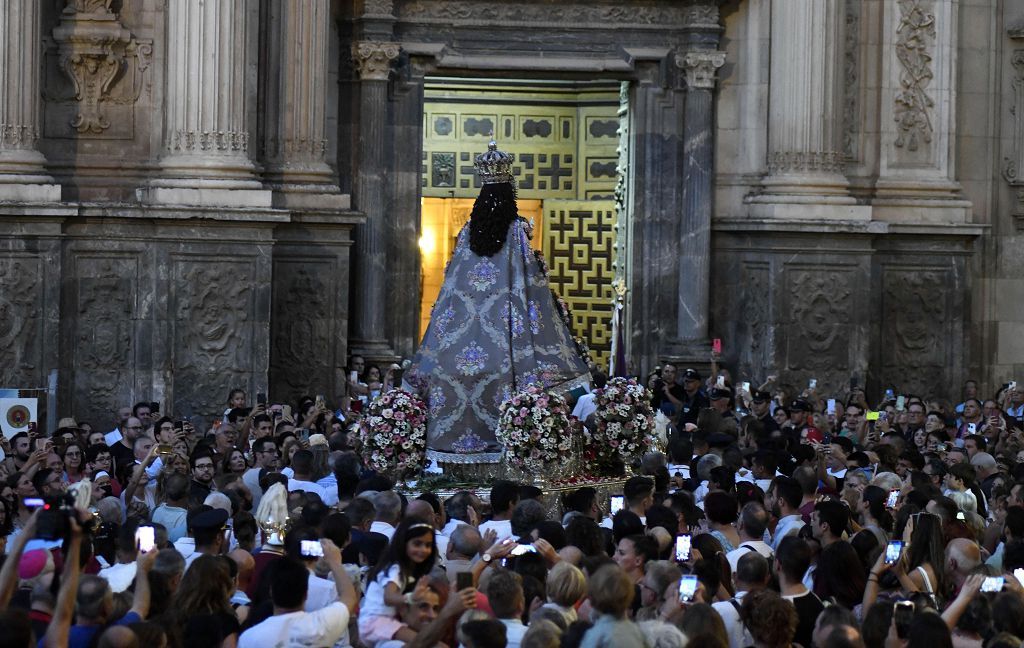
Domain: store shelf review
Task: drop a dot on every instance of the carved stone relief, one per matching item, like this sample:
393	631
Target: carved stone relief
820	311
915	329
1013	164
105	73
506	13
301	329
915	44
20	304
755	320
851	68
373	59
211	308
104	356
806	162
700	67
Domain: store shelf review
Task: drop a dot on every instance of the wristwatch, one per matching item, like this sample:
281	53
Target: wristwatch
487	558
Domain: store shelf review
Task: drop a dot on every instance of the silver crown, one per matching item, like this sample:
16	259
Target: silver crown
494	166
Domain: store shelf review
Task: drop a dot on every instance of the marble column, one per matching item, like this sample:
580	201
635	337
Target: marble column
806	162
698	188
22	174
205	158
294	98
373	62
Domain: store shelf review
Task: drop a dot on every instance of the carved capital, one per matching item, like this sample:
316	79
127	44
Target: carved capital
700	67
377	8
373	59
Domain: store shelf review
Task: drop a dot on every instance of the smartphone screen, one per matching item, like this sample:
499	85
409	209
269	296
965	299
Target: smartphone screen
893	550
903	613
261	399
164	449
716	345
311	549
463	580
33	502
618	502
901	402
687	588
145	538
972	428
1019	575
683	547
304	434
894	496
519	550
992	584
812	383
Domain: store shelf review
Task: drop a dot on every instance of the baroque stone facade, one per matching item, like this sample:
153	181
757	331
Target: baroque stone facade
811	181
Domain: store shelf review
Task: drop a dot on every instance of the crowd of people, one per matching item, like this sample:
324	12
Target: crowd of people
772	517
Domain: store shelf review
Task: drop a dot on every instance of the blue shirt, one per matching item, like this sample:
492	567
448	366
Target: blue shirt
81	636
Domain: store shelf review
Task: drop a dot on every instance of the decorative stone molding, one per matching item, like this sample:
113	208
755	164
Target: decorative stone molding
18	136
373	59
700	67
915	44
94	50
378	8
851	68
423	11
1013	165
807	161
189	141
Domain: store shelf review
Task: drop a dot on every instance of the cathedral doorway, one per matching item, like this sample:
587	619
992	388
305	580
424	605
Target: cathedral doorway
565	138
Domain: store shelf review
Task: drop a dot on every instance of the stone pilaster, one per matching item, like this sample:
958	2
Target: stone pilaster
294	101
698	174
917	170
806	158
206	144
372	60
22	175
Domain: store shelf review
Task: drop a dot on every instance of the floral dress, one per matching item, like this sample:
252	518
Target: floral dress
496	327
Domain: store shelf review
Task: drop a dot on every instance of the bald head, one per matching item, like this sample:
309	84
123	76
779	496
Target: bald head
420	509
246	566
118	637
962	557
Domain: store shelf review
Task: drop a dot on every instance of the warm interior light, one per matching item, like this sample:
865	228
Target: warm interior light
427	242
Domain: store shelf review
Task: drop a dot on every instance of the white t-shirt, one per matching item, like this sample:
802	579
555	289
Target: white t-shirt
119	576
734	627
321	593
324	627
373	603
382	528
308	487
502	527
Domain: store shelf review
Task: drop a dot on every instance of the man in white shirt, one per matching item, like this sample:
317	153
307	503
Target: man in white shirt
302	465
291	625
504	498
751	575
303	545
462	508
752	522
121	574
387	506
783	498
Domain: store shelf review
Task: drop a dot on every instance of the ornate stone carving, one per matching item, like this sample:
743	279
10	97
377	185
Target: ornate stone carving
373	59
103	350
212	332
820	311
851	66
183	140
915	328
700	67
755	318
94	53
20	304
18	136
807	161
491	13
915	42
377	8
301	326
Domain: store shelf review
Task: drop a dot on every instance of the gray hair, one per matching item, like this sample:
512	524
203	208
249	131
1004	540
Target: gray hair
662	635
706	463
388	505
465	540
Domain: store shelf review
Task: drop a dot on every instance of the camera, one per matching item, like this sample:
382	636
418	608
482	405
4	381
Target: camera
54	520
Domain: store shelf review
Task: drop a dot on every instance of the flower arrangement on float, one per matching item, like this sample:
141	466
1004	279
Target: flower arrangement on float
393	433
624	423
533	425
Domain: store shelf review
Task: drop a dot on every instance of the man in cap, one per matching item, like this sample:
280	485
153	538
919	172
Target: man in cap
761	408
694	399
206	526
799	417
721	401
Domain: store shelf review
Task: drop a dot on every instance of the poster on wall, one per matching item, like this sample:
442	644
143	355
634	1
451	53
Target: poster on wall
16	414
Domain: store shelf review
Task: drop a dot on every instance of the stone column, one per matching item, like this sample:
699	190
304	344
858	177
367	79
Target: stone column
372	60
295	105
206	129
806	162
698	174
22	176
